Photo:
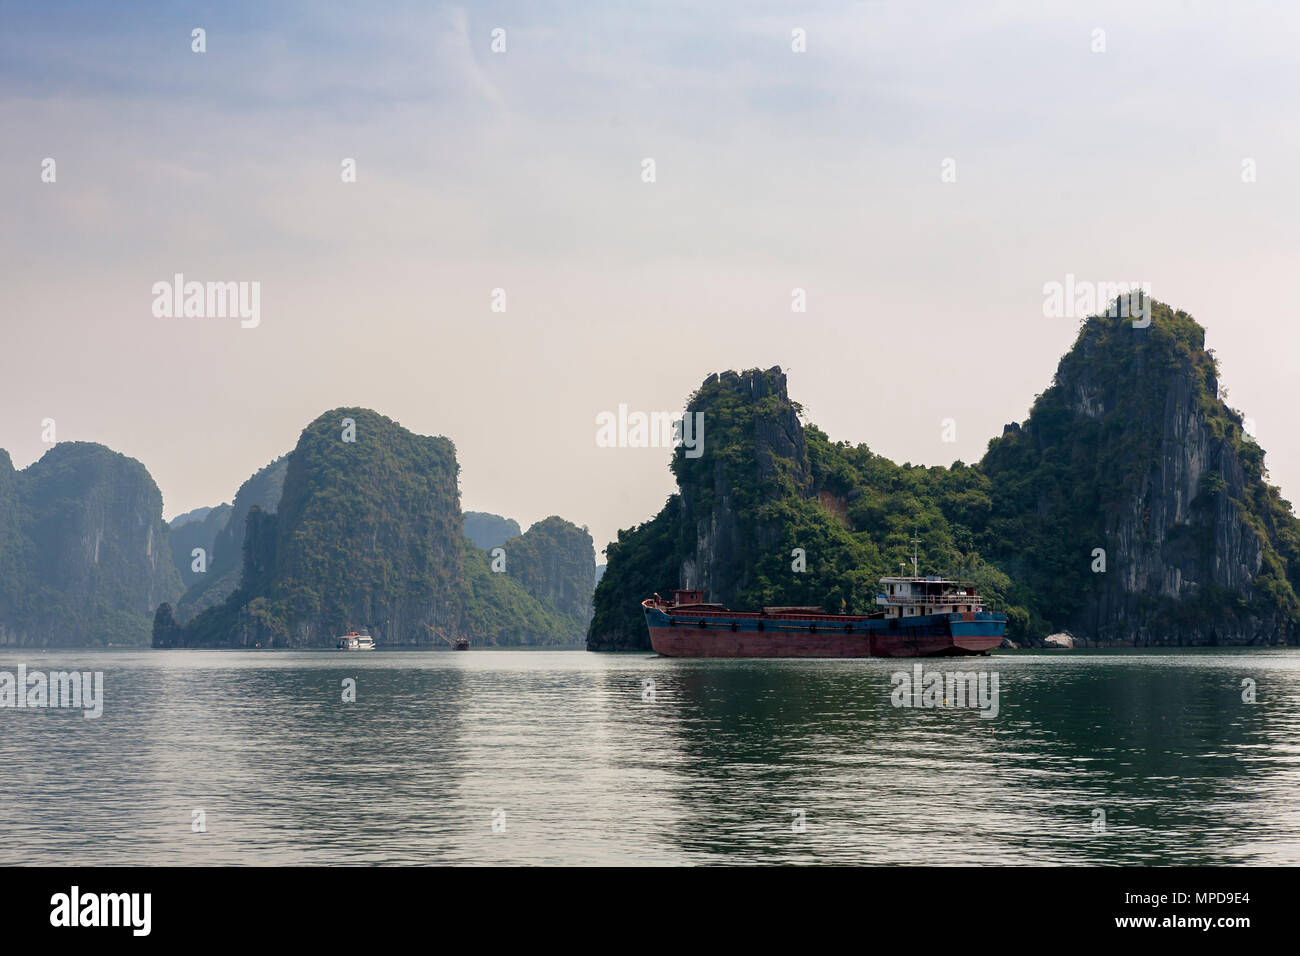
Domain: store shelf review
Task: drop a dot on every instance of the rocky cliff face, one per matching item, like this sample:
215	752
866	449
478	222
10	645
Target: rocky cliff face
555	562
262	490
1197	548
198	529
1184	529
750	414
14	555
367	533
85	554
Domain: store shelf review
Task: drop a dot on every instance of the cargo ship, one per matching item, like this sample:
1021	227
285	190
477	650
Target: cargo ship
917	616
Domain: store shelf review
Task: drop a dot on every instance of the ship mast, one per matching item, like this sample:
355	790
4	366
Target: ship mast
916	573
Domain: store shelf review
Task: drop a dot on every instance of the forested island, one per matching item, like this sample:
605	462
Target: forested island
1130	508
359	526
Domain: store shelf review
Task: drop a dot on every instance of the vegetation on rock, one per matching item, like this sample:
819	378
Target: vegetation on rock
84	558
368	533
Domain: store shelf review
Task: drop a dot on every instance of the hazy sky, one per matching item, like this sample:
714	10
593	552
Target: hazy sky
522	170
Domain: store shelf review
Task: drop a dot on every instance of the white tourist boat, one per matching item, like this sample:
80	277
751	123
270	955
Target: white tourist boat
357	641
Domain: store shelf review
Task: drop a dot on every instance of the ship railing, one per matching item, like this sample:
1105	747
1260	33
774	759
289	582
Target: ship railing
953	597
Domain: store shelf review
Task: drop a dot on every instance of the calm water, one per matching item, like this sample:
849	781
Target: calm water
709	771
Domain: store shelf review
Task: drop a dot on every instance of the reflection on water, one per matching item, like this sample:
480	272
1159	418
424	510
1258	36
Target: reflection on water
710	764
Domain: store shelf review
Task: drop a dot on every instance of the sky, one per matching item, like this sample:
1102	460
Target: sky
920	170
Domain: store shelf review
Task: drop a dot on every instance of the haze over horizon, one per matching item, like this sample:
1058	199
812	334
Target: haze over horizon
522	170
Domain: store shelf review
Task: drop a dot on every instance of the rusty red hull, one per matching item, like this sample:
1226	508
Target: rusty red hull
692	642
717	632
